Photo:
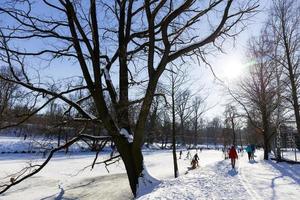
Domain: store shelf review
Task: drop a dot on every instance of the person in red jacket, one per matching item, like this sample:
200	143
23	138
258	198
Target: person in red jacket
233	155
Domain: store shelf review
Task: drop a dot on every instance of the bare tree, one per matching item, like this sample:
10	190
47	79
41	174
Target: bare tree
231	120
284	31
8	91
198	108
183	109
214	129
102	36
153	127
257	92
176	80
16	104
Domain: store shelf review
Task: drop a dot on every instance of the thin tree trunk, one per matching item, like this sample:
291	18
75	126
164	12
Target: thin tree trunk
233	131
174	134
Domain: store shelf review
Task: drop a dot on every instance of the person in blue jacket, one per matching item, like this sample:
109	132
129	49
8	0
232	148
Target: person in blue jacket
253	151
249	152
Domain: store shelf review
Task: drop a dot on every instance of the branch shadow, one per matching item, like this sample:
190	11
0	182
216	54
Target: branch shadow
102	187
286	170
58	197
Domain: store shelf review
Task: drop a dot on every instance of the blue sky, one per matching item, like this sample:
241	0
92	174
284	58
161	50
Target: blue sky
227	66
200	75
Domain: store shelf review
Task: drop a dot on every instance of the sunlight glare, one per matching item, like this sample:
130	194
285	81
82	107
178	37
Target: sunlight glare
232	68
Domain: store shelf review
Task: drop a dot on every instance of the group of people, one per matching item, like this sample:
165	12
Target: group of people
232	154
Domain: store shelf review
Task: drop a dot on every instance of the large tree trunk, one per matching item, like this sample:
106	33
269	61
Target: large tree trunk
266	127
266	147
133	161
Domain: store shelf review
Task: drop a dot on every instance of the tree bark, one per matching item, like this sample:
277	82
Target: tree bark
133	161
174	133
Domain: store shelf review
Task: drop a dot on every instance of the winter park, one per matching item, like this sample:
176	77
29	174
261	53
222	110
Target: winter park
149	99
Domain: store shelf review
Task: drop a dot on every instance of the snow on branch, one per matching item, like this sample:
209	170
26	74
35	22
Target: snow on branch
106	74
110	86
127	135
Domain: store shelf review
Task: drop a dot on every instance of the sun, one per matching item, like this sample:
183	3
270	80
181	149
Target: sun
232	68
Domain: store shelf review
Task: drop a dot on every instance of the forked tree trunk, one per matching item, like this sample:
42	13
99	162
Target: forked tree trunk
133	161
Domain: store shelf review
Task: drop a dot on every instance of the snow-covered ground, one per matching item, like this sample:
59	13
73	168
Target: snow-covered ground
291	154
64	175
38	144
255	180
64	178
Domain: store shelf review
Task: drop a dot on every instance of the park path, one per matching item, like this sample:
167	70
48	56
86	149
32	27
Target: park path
215	181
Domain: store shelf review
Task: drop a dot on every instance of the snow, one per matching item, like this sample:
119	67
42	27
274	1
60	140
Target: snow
291	154
65	177
251	180
19	145
146	183
128	136
272	180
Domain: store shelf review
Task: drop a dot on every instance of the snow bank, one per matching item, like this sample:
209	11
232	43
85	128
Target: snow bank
146	183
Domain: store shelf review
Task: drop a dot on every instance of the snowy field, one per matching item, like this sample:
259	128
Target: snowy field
19	145
64	178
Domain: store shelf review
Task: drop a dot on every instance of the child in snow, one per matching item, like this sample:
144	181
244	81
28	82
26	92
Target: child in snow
233	155
194	164
196	158
249	152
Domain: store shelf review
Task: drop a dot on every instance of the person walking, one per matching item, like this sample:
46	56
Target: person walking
253	151
188	155
196	158
249	152
180	154
233	155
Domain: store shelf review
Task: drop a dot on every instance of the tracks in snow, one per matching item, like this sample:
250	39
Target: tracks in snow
246	183
216	181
